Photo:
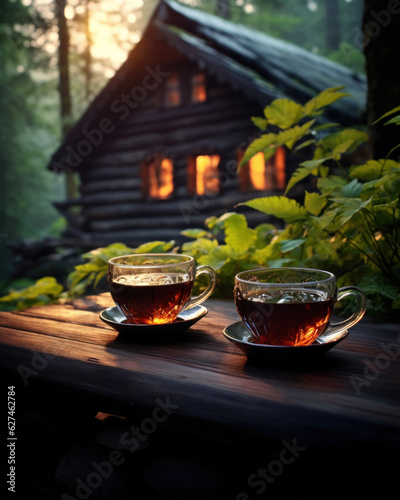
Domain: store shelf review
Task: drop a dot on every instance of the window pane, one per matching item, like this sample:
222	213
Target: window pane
261	175
160	178
172	91
207	179
199	93
257	172
280	168
166	179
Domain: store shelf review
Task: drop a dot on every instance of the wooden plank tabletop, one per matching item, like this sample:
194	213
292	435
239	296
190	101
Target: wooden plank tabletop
350	394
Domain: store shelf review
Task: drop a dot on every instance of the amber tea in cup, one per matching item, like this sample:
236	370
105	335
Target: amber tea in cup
291	306
155	288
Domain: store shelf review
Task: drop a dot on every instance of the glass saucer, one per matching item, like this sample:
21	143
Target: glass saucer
238	334
112	316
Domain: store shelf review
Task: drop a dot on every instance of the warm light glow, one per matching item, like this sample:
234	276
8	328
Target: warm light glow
280	168
132	17
265	175
257	172
69	12
111	40
199	93
207	174
160	175
172	92
248	8
104	46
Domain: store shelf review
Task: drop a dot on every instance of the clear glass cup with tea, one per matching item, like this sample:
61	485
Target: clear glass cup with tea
156	288
292	306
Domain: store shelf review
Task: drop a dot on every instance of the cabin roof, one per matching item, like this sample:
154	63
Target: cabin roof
262	66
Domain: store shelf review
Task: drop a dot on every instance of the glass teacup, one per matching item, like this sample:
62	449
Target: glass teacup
155	288
291	306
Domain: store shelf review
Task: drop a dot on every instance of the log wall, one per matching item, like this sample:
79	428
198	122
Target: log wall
113	206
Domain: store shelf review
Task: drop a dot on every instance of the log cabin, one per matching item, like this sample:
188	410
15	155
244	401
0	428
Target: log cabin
157	150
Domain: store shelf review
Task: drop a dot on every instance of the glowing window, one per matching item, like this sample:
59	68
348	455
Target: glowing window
172	91
199	93
158	178
261	175
203	174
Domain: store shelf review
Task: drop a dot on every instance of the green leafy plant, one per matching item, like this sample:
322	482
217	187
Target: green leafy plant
44	291
348	223
82	280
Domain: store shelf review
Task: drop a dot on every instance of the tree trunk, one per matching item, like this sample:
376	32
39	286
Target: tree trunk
64	86
381	30
332	25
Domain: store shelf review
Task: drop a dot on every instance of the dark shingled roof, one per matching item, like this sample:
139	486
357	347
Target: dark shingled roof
262	66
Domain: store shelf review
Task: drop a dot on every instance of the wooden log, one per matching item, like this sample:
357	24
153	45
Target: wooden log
137	236
114	184
191	205
177	136
228	114
220	102
112	160
92	199
150	223
98	171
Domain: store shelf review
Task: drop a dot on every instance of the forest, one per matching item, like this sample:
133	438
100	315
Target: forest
56	55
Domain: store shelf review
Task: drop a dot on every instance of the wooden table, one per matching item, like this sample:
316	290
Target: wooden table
201	389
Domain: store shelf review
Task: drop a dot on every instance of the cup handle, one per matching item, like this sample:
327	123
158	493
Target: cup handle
335	328
194	301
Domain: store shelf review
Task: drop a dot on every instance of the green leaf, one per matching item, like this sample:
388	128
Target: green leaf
259	122
391	112
269	152
323	99
44	291
155	247
388	214
265	232
103	254
199	247
289	137
342	148
352	189
194	233
283	113
394	121
373	169
289	245
279	206
347	208
341	139
325	126
237	234
331	184
324	220
314	202
304	144
305	169
262	256
256	146
218	257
